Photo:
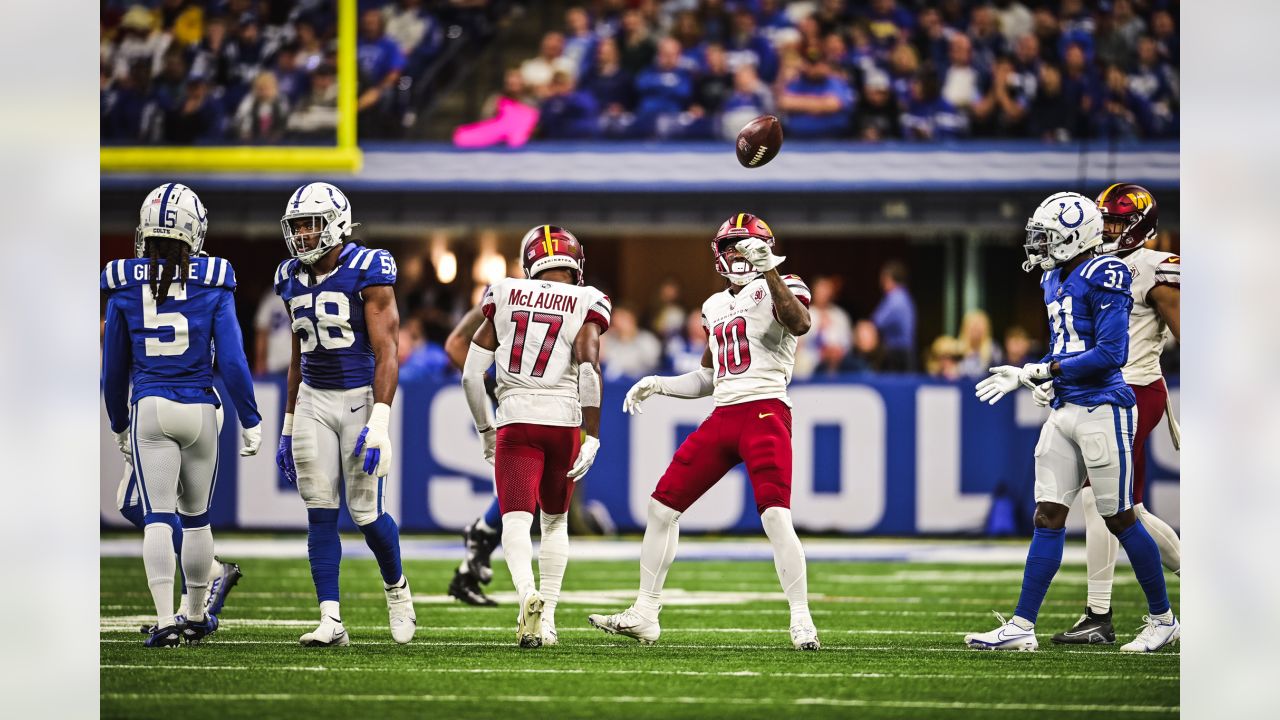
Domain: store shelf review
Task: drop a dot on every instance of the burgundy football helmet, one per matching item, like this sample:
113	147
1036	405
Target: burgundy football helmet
1129	217
548	246
729	262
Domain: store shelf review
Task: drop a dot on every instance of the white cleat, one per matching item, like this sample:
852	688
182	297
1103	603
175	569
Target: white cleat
331	633
629	623
1155	635
529	622
805	637
1009	636
549	634
404	622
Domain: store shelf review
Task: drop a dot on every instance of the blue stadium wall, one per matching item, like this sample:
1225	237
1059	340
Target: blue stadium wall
873	456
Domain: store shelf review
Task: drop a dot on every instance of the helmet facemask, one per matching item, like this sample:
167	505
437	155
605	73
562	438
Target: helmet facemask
731	263
308	236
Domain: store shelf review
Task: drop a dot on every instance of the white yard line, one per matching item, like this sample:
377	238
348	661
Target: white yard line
646	700
683	673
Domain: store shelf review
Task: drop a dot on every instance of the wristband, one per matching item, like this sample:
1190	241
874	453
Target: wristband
287	428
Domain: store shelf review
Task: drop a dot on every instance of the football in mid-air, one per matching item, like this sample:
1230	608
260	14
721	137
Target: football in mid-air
759	141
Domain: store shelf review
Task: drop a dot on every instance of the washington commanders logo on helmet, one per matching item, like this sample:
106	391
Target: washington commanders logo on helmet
548	246
729	262
1129	216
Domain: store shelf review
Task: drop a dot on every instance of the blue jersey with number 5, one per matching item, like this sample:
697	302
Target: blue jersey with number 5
166	348
328	316
1089	331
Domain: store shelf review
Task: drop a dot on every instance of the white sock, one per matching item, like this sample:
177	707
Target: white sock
157	558
197	560
1165	537
1022	622
331	608
215	568
517	546
1100	548
553	557
657	552
788	560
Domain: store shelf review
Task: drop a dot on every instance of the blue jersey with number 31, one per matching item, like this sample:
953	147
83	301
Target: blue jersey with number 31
1089	331
328	316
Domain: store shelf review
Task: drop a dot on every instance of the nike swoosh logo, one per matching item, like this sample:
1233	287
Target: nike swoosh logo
1104	307
764	415
356	409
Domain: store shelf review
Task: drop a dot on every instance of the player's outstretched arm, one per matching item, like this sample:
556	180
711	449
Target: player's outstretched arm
586	351
1167	301
116	359
459	341
792	313
697	384
478	360
232	364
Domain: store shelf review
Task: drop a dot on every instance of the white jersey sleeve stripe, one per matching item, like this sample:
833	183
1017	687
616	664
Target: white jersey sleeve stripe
368	259
355	258
208	271
110	275
120	271
222	270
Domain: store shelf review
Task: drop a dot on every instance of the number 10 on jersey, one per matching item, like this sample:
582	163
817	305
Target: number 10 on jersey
733	360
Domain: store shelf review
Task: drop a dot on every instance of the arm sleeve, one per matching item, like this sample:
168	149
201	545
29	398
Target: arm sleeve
478	362
116	359
1111	301
376	267
231	361
696	384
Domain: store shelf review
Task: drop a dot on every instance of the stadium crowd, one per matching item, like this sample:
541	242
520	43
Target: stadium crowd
189	72
873	70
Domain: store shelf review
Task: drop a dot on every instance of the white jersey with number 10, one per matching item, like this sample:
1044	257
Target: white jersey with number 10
752	352
536	323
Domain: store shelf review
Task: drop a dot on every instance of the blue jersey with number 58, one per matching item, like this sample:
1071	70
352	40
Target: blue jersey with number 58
328	316
167	348
1089	331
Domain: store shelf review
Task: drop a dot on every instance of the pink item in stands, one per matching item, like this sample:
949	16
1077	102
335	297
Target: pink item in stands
513	124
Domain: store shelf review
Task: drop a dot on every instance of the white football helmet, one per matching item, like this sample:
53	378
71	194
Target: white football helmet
1065	225
320	211
172	211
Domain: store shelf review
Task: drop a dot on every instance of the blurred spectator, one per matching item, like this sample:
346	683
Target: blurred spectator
1166	35
292	80
1017	347
416	32
1124	115
963	81
420	359
1155	82
904	67
567	113
878	116
663	91
895	318
1052	116
168	87
628	350
667	317
247	53
183	19
138	41
746	45
1015	20
715	82
887	21
927	115
932	39
612	88
637	48
310	48
867	355
685	349
317	118
943	361
580	41
273	335
123	102
380	61
1079	84
1127	23
196	119
513	88
538	71
213	55
984	34
830	338
980	351
818	103
1003	110
262	114
750	99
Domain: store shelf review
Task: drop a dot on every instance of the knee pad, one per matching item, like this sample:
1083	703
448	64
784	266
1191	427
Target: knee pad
659	513
364	517
776	519
553	522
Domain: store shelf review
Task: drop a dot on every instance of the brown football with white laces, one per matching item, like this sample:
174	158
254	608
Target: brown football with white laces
759	141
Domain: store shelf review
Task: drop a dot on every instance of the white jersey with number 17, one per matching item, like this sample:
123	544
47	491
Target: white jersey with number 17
752	353
536	323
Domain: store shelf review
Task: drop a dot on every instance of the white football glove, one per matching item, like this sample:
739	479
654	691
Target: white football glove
1005	379
251	439
586	456
126	447
1042	395
374	442
490	439
759	254
641	391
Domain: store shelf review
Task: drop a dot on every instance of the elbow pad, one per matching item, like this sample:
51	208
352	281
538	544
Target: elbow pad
589	389
696	384
478	361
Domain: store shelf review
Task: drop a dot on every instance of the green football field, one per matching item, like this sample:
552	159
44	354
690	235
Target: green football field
891	636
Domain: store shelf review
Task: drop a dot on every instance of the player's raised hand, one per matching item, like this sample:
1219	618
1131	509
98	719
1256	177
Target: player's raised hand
1042	395
374	442
759	254
490	439
126	448
586	456
251	439
638	393
1003	380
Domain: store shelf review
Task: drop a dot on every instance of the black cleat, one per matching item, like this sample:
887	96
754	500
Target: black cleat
480	545
220	587
163	637
194	632
1091	629
465	588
